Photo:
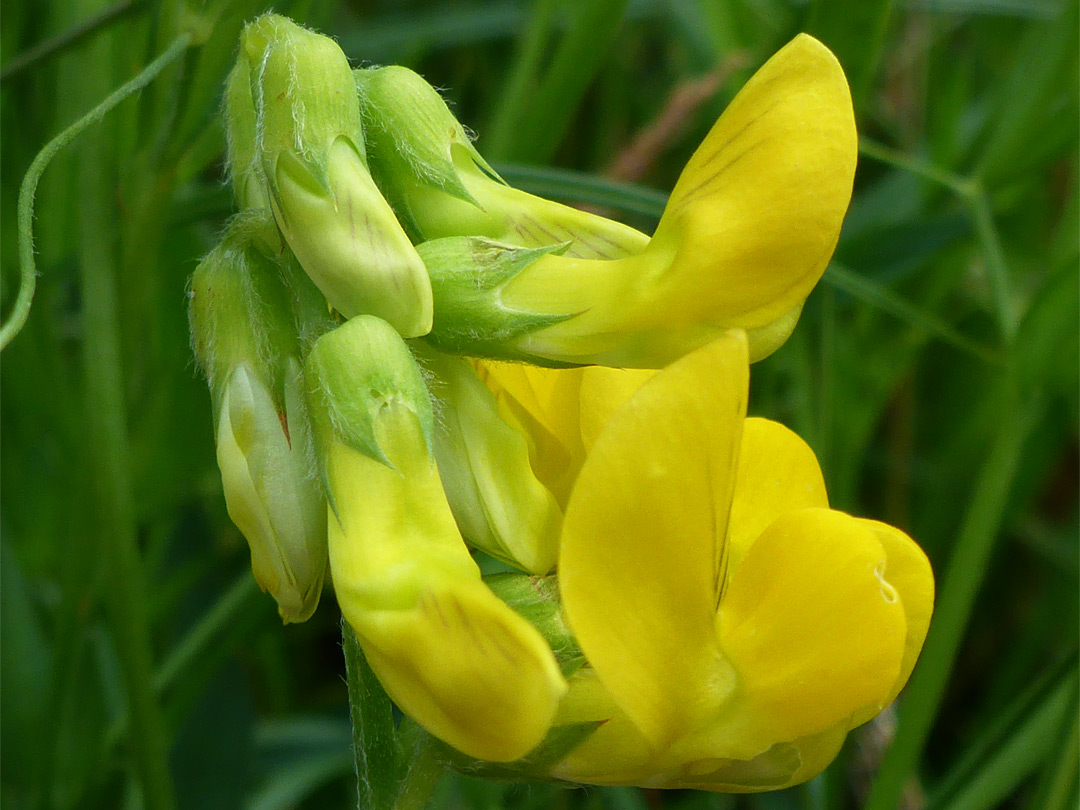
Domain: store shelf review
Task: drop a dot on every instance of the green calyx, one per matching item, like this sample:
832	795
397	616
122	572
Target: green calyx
239	312
468	275
411	137
303	95
536	599
355	375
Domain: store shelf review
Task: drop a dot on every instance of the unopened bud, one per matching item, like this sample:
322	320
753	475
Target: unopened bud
441	186
310	142
244	336
499	504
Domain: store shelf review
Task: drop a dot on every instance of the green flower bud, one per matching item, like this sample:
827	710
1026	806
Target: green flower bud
497	501
310	143
356	374
245	339
441	186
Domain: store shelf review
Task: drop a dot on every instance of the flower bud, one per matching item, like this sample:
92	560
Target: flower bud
310	143
499	505
441	186
245	339
241	135
448	652
747	232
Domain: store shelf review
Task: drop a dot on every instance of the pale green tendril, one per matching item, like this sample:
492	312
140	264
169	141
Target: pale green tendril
27	266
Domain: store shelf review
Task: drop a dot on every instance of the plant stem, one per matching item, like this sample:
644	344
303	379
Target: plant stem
394	770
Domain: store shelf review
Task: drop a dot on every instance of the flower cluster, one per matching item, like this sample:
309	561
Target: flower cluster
412	363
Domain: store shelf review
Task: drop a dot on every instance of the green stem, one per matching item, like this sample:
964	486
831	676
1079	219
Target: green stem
110	457
965	574
971	191
423	772
27	266
394	770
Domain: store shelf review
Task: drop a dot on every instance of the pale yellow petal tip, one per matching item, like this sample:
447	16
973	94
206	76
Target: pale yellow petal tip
468	669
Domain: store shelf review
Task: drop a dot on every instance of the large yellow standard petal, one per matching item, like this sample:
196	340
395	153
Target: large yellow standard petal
814	630
447	651
757	210
642	538
747	233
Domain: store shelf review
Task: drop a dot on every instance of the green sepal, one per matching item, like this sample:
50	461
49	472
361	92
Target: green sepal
410	133
536	765
467	276
304	97
536	599
353	373
239	311
243	165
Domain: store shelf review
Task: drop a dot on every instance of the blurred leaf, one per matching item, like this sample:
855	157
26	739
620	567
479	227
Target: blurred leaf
1015	758
855	33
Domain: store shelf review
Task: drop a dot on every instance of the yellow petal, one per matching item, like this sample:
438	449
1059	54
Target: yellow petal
777	473
544	405
782	765
757	211
500	506
908	571
448	652
748	230
642	537
469	669
603	391
813	630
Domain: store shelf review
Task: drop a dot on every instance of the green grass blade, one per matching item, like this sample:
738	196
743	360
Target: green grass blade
961	582
881	297
579	56
1010	750
588	189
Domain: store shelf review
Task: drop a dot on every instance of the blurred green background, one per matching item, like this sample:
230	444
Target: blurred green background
934	372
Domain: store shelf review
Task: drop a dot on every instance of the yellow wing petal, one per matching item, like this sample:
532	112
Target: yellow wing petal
642	537
449	653
603	391
748	230
909	572
467	668
812	628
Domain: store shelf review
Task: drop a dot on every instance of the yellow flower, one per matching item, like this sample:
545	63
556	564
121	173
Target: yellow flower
735	627
747	232
451	655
